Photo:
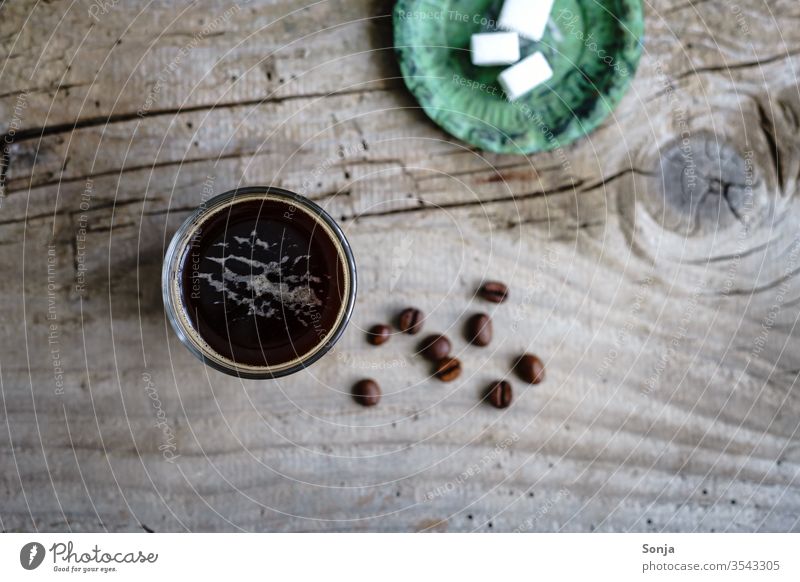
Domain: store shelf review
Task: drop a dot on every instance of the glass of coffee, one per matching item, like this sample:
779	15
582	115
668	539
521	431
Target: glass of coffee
259	282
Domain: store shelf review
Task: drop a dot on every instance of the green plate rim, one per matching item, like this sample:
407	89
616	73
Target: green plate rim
531	142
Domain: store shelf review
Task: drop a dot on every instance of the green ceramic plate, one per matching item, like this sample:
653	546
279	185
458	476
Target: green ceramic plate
593	47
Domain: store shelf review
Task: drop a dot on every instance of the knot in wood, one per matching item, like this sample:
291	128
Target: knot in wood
705	186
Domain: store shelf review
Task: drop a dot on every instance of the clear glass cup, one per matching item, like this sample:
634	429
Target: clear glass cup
258	293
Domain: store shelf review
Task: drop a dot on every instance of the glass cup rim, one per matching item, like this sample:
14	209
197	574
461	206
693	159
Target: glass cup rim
174	254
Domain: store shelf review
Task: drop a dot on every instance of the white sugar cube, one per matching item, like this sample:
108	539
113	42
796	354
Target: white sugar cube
494	48
523	77
527	17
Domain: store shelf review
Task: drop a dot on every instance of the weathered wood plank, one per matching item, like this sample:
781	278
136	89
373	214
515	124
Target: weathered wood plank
671	360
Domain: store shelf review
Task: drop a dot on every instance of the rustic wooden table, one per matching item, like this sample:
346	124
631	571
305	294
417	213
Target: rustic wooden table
667	322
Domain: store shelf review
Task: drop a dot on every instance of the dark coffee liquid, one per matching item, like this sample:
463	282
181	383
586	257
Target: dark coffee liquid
262	282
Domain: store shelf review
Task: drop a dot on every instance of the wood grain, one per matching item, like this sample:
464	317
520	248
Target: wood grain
671	353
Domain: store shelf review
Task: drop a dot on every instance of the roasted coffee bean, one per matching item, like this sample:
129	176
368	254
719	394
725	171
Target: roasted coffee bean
500	394
479	329
410	320
435	347
367	392
379	334
494	291
530	368
448	369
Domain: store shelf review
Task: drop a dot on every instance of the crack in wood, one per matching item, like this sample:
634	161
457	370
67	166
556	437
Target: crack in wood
767	124
736	256
124	170
768	287
34	132
65	87
575	184
23	219
496	171
737	66
66	212
5	158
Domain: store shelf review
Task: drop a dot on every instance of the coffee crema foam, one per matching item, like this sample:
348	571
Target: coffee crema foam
260	292
262	283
